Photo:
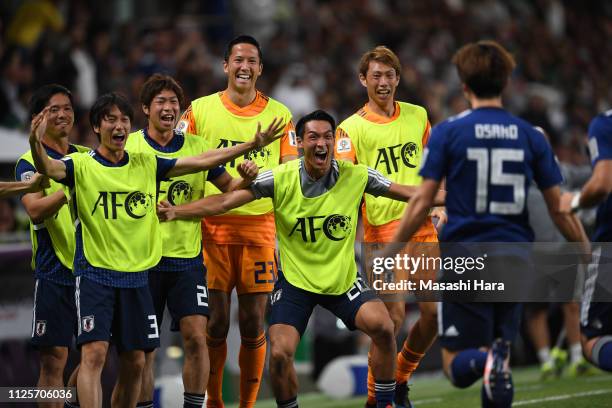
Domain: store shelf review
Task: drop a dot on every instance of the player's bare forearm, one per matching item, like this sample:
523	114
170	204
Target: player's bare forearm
213	205
217	157
403	192
599	185
55	169
209	159
40	207
10	188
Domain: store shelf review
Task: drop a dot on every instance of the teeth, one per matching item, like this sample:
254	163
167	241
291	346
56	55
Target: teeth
244	76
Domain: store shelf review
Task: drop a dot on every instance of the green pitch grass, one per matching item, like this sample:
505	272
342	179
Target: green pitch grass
584	392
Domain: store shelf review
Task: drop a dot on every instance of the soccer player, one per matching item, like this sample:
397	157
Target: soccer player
315	205
52	233
178	280
489	159
596	316
239	246
118	239
389	136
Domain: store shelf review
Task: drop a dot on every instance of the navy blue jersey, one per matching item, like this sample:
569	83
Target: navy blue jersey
600	146
489	158
47	264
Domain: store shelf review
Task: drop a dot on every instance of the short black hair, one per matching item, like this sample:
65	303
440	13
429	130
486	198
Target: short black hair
243	39
40	98
103	105
316	115
156	84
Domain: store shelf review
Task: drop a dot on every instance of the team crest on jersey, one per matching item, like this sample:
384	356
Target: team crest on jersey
181	127
88	323
41	328
27	175
343	145
179	192
292	138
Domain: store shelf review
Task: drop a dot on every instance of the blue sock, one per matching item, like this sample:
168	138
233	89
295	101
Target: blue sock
290	403
384	391
191	400
602	353
467	367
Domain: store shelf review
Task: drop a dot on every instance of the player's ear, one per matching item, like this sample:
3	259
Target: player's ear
145	109
225	67
362	79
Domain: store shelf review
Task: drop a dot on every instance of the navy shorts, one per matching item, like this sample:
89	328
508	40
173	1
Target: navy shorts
293	306
54	317
472	325
596	316
185	292
127	313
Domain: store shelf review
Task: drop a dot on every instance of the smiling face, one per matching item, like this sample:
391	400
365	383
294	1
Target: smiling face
243	67
318	144
381	81
60	118
113	130
163	111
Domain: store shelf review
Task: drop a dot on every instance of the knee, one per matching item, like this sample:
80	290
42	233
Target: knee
134	361
93	356
194	344
280	356
382	332
218	325
251	322
53	361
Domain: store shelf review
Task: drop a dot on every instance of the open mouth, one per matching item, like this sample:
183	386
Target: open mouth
383	92
320	157
243	77
167	119
119	138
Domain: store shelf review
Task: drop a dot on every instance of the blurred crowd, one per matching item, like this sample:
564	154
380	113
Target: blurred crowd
311	50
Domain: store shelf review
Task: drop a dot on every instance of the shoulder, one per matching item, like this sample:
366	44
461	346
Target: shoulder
134	139
601	124
276	106
413	110
81	149
27	156
286	167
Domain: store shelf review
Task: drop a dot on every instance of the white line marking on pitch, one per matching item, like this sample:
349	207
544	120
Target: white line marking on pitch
561	397
427	401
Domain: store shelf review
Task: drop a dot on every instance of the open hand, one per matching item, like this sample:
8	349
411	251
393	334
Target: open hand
165	211
273	132
38	126
440	214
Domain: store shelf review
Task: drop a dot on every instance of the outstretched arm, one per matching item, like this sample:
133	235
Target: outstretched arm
213	205
55	169
36	183
216	157
402	192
